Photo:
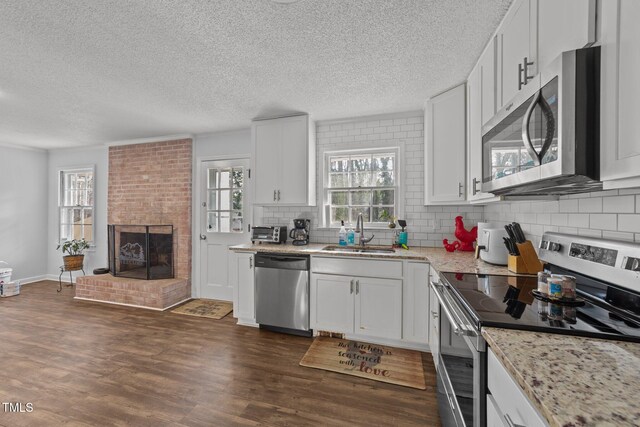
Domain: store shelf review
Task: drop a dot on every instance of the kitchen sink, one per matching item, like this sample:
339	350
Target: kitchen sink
360	250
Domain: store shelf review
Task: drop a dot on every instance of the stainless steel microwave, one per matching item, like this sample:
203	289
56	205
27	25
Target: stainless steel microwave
546	140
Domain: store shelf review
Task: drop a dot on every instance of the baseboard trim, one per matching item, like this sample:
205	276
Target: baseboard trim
33	279
132	305
390	342
247	322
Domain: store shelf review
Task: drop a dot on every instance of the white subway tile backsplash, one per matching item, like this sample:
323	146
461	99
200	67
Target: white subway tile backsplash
590	205
603	221
619	204
630	223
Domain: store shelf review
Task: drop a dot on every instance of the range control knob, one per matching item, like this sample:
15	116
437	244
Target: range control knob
632	264
555	247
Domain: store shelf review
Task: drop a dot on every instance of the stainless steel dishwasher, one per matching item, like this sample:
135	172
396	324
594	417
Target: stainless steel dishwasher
282	293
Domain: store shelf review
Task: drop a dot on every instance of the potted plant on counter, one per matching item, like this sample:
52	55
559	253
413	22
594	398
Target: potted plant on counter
384	215
75	249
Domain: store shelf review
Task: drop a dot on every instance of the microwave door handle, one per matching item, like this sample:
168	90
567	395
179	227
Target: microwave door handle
526	137
551	126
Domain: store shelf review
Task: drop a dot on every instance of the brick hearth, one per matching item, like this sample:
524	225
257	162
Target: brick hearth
154	294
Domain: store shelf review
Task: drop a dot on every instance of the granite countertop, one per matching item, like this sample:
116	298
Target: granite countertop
573	381
439	258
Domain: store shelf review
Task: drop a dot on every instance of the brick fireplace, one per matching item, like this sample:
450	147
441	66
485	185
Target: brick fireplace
149	184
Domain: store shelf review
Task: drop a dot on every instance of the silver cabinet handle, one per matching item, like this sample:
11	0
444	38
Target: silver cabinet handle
274	195
250	262
351	286
278	195
459	189
520	72
526	76
357	287
510	421
474	185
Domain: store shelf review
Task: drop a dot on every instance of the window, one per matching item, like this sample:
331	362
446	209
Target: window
361	182
76	203
224	200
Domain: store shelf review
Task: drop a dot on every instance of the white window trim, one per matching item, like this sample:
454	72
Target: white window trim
81	168
358	148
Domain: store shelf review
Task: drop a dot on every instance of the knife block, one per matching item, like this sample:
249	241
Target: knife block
527	262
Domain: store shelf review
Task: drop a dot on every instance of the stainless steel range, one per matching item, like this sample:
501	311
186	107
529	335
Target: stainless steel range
607	284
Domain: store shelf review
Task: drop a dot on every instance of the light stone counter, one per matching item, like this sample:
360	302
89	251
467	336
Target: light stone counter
573	381
440	259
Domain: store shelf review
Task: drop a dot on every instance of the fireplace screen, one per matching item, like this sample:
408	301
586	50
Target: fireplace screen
141	251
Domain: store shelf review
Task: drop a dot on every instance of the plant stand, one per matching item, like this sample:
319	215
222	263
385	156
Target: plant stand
70	270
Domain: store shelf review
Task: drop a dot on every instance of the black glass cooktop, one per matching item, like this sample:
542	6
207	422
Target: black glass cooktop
507	302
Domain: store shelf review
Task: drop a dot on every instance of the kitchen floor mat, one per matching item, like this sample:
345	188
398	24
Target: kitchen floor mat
371	361
210	308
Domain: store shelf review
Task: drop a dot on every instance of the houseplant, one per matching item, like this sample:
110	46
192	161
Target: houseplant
391	219
75	249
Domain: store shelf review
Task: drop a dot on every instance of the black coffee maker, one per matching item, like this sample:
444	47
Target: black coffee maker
300	232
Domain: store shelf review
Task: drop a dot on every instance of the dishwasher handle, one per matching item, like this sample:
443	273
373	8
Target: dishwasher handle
283	262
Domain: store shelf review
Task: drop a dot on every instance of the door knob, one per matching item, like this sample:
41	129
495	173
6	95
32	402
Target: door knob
203	237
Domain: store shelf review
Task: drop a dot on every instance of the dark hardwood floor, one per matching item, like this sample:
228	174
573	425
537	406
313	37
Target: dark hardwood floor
82	363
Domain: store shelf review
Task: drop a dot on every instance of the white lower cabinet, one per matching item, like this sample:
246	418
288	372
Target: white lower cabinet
415	297
361	305
332	303
242	275
378	307
507	405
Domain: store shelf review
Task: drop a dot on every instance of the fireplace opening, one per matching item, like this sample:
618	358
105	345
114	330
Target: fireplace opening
141	251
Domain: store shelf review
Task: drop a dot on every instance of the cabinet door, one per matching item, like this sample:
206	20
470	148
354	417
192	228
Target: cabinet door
378	307
620	127
294	156
515	46
474	139
434	327
445	146
564	25
245	306
487	82
266	135
415	314
332	300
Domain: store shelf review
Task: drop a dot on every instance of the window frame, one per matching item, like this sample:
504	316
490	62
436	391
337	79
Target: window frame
354	151
218	190
61	190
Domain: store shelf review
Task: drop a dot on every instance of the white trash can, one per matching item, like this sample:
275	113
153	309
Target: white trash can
5	273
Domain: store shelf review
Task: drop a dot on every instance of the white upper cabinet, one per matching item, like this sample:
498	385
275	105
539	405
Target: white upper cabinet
284	161
480	107
516	37
534	33
445	146
620	94
564	25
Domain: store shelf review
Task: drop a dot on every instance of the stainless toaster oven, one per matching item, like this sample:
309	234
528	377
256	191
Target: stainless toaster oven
273	234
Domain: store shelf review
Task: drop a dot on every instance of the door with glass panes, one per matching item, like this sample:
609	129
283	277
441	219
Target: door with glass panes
224	222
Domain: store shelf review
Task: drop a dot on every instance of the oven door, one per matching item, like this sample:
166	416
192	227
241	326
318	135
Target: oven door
461	372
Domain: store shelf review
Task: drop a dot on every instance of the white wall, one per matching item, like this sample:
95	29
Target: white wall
427	225
23	207
68	159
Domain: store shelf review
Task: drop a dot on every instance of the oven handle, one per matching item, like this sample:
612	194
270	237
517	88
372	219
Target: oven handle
538	99
445	304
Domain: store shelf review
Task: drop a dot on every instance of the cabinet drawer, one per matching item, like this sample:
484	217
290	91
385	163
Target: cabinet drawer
357	267
508	397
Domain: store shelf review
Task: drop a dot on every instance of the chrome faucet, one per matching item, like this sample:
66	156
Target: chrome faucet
360	229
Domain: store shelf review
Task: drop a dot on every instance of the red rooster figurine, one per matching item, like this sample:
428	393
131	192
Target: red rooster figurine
450	247
465	237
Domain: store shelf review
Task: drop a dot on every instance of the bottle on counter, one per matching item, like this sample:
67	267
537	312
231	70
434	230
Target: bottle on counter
342	235
351	236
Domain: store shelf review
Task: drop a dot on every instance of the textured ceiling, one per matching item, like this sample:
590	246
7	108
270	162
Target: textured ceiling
77	72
